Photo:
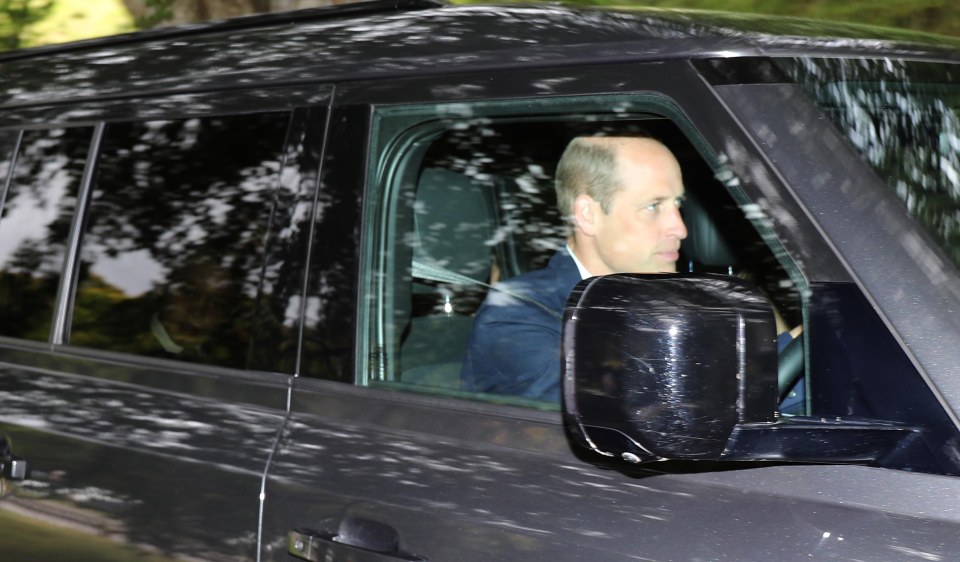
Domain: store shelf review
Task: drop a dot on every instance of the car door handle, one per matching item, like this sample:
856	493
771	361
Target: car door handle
364	540
11	467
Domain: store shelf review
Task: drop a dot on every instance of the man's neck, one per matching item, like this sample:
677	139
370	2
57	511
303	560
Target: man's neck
583	270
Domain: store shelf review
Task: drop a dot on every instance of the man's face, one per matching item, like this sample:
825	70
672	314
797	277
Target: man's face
643	230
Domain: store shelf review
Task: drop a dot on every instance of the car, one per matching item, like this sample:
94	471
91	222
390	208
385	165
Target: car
240	261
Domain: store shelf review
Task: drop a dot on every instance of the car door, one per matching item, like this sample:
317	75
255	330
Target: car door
152	266
391	458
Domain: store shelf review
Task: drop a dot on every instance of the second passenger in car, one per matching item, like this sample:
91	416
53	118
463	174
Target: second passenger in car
621	196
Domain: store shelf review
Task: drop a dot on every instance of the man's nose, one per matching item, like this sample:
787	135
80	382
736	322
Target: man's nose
676	227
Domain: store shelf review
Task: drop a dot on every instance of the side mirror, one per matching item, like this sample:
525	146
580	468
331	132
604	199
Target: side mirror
684	367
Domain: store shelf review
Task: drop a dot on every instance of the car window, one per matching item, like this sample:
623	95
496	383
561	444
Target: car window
465	203
904	118
38	209
186	245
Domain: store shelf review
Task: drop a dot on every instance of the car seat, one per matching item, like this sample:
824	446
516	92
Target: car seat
454	222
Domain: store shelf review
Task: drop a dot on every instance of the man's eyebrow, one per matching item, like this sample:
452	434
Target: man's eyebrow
663	198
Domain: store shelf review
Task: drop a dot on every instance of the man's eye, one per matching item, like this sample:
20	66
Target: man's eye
652	207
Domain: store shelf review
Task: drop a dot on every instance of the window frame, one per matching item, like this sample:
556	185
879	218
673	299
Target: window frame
401	132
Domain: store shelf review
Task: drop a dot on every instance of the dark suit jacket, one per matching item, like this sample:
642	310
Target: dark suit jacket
514	347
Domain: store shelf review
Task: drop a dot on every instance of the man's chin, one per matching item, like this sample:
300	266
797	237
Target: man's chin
668	266
662	268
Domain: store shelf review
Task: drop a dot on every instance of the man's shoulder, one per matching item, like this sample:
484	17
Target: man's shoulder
560	269
548	286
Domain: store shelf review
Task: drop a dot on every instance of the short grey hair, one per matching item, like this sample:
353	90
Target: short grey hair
588	166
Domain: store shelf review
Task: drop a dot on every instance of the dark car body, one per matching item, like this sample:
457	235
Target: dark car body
218	342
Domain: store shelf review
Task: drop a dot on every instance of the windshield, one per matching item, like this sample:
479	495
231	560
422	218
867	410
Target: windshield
904	117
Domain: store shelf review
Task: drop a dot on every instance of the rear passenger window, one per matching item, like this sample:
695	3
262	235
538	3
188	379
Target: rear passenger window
465	203
187	241
38	209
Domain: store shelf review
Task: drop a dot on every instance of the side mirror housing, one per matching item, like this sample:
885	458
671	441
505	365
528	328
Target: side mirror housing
684	367
666	366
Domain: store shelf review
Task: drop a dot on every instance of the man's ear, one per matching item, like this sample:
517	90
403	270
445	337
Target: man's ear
585	210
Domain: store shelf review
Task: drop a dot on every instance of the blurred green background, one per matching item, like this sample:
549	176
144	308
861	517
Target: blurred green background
26	23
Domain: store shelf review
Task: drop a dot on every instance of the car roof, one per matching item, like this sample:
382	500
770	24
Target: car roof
397	37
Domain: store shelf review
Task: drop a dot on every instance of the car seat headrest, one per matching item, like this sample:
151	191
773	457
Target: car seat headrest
454	219
705	243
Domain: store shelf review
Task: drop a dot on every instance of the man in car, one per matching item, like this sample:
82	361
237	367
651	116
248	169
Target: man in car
621	196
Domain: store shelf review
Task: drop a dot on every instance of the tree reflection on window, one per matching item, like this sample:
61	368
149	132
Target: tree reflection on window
178	256
34	227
